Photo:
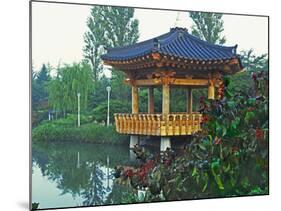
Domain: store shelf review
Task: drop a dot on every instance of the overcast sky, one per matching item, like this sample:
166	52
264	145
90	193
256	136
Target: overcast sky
57	30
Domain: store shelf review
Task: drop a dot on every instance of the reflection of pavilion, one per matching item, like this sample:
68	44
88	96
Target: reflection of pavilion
174	59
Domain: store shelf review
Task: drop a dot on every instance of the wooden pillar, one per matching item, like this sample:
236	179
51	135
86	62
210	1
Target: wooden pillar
165	141
165	99
189	100
135	100
211	91
150	100
134	139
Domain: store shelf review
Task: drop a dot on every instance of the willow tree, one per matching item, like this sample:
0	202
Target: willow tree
208	26
69	81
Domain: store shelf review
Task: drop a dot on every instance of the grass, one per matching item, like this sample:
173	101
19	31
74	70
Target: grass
65	130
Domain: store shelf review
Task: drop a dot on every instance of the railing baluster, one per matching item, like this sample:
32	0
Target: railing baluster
158	124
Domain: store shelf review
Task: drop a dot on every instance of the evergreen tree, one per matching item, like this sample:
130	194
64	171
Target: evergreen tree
40	82
208	27
43	75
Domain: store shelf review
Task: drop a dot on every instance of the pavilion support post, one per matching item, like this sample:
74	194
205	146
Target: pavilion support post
211	91
150	100
189	100
165	141
134	140
135	100
135	110
165	99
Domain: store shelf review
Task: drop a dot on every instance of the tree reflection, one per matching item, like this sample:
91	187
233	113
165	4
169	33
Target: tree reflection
85	175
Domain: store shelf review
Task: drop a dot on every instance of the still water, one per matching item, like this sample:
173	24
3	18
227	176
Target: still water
75	174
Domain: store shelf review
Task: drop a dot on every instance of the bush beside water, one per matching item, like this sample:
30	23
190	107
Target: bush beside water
64	130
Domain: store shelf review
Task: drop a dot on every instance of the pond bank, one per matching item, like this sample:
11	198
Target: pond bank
58	131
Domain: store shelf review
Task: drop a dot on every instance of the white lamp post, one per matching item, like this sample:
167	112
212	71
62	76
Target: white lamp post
108	89
78	96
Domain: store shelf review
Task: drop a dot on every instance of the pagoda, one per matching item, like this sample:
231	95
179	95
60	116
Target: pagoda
174	59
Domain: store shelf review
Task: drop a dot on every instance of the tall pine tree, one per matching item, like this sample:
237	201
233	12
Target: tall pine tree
108	27
208	26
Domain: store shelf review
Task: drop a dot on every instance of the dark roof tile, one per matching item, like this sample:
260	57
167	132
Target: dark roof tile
179	43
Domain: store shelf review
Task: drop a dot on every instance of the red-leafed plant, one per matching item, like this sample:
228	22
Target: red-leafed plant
228	158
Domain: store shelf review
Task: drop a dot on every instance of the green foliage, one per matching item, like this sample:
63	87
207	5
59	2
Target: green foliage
39	85
35	206
99	95
178	95
208	27
94	39
63	130
108	27
116	106
43	75
70	80
228	158
120	90
254	63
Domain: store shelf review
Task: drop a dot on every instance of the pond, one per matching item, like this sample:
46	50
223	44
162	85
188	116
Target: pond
75	174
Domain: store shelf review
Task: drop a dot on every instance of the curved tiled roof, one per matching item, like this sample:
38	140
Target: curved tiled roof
179	43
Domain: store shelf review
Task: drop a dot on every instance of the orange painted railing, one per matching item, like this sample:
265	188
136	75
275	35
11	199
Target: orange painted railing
174	124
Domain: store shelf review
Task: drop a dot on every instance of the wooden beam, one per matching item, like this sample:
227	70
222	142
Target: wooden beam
150	100
147	82
174	81
190	82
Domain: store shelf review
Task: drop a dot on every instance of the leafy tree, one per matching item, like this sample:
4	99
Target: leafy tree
120	26
116	106
108	27
208	26
94	40
70	80
100	94
254	63
121	29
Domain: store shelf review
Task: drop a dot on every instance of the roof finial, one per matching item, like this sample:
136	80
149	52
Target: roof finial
177	19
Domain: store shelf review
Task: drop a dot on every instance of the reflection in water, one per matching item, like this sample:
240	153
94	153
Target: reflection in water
74	174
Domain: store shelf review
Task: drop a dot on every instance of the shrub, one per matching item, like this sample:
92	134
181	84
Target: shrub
228	158
63	130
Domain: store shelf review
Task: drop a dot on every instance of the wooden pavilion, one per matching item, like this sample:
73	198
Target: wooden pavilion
174	59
